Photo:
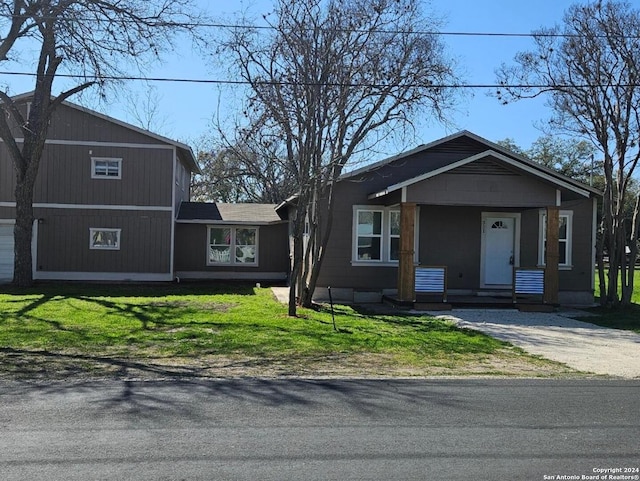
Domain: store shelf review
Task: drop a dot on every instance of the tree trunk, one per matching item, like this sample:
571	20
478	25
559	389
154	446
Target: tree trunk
627	288
601	269
23	233
295	273
296	270
316	262
324	220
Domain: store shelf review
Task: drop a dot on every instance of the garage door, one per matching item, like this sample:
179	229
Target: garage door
6	252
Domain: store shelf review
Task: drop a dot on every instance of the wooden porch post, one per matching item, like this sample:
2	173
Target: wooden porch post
552	256
406	279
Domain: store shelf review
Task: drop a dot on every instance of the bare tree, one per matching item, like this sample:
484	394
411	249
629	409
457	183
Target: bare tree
145	109
250	166
590	67
571	157
331	78
92	40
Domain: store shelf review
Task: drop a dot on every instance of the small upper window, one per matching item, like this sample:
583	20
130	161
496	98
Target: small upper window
108	239
499	225
106	168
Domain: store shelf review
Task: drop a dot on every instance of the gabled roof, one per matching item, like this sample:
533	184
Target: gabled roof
557	179
185	152
221	213
434	168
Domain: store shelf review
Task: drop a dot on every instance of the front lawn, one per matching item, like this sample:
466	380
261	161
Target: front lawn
212	330
627	318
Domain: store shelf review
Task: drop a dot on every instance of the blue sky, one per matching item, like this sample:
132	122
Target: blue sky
185	110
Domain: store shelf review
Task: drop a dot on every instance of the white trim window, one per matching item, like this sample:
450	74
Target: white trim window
564	238
394	235
106	168
368	235
232	245
101	238
376	235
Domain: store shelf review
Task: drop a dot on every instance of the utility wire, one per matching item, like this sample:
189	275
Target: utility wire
329	84
153	21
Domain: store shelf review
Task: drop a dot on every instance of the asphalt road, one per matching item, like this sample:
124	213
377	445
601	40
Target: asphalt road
307	430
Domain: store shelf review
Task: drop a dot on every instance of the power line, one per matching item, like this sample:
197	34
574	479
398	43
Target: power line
152	22
328	84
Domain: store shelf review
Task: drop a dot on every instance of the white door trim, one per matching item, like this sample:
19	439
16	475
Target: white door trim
516	248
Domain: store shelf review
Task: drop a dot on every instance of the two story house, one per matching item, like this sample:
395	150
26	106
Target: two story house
105	201
112	204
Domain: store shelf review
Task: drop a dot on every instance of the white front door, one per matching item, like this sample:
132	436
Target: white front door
499	234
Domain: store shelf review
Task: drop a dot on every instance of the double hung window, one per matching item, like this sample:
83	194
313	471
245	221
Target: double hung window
565	226
376	235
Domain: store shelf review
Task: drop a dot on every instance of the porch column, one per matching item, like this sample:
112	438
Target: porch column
552	256
406	279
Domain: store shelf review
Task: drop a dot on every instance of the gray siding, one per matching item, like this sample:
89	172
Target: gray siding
337	270
191	250
579	277
7	213
484	190
182	182
63	241
65	177
7	176
69	123
451	236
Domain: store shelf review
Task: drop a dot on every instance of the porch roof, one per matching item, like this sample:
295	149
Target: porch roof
545	175
223	213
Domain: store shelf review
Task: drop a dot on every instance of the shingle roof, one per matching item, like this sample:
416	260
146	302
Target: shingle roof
221	213
437	164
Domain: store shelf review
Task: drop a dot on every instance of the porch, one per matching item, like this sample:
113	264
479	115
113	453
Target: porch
482	258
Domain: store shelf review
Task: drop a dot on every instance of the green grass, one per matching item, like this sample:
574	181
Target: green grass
620	318
188	323
635	297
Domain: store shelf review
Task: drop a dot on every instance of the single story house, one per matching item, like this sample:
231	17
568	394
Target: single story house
468	205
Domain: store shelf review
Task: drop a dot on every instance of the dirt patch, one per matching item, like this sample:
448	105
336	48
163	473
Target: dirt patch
39	366
207	306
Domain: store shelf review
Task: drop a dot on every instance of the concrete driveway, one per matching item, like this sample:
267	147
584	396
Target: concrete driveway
556	336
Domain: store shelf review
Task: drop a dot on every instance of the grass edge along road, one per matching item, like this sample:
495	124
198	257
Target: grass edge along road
62	331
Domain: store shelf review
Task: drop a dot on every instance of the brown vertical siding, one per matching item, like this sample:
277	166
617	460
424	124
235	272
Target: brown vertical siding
65	177
451	236
63	241
7	176
337	270
70	123
529	240
7	213
486	190
191	250
182	183
579	277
